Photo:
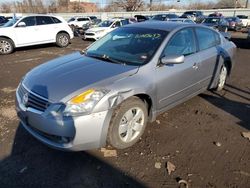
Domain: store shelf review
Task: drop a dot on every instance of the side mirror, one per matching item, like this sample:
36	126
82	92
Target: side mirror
21	24
172	59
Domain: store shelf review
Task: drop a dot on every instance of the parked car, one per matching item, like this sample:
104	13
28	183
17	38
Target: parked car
218	23
105	95
3	20
78	21
234	23
164	17
103	28
184	20
141	18
196	16
33	30
215	14
245	20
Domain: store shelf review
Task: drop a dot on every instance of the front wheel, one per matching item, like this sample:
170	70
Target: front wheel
62	40
128	123
6	46
222	78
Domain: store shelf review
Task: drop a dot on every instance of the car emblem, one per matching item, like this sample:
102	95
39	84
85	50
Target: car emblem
25	99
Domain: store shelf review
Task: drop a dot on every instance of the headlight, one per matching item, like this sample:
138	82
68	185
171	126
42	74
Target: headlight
84	103
98	32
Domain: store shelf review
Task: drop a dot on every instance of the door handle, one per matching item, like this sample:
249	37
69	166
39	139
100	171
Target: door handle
195	66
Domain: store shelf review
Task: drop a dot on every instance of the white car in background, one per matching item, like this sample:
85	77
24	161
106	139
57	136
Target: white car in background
34	30
104	28
245	20
79	21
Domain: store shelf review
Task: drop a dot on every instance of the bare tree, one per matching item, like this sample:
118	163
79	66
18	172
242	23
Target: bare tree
229	4
129	5
5	7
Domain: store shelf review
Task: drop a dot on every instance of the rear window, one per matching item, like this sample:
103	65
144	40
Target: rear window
56	20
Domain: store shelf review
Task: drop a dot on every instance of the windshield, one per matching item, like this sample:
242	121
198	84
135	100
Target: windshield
10	23
106	23
211	20
133	46
231	19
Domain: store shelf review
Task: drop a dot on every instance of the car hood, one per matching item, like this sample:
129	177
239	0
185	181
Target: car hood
69	74
95	29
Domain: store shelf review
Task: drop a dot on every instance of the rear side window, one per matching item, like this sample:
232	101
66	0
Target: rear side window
82	19
44	20
207	38
56	20
182	43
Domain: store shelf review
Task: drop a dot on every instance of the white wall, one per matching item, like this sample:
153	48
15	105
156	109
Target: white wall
103	15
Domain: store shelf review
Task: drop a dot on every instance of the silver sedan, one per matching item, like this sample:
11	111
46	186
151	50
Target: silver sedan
108	93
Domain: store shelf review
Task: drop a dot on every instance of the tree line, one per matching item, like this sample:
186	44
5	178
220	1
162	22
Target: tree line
55	6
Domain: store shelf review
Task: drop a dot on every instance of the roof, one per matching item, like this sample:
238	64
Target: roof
160	25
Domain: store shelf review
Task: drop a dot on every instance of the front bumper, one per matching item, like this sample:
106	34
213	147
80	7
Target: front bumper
65	133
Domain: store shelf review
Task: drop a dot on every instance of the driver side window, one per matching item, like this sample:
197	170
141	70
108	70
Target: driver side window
182	43
29	21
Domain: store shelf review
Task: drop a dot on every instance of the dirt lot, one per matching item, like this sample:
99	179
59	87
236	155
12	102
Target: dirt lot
201	137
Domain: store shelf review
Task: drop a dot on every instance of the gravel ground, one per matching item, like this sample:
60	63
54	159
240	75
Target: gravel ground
199	142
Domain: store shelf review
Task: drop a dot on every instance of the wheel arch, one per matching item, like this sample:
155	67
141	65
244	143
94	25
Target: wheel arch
6	37
227	61
62	31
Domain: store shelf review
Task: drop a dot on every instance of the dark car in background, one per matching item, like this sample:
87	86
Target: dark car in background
164	17
218	23
141	18
196	16
3	20
235	23
215	14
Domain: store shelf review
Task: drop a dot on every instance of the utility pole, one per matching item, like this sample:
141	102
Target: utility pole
246	6
150	4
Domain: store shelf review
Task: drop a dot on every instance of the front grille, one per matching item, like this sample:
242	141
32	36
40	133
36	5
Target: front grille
34	101
90	34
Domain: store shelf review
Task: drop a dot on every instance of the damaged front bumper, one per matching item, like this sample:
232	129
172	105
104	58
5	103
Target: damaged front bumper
65	133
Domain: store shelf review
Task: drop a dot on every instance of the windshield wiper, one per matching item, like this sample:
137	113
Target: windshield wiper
105	58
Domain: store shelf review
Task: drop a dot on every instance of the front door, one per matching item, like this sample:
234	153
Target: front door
26	35
177	81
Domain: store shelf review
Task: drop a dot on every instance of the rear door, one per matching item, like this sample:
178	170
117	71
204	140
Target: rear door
208	42
177	81
46	29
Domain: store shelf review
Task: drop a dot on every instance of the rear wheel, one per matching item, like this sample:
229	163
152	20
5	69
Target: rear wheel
128	123
62	40
222	78
6	46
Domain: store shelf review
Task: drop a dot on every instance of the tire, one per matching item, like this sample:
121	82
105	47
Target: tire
226	30
6	46
222	78
125	128
62	40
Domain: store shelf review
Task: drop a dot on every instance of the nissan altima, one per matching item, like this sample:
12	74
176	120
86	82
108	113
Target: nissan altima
108	93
